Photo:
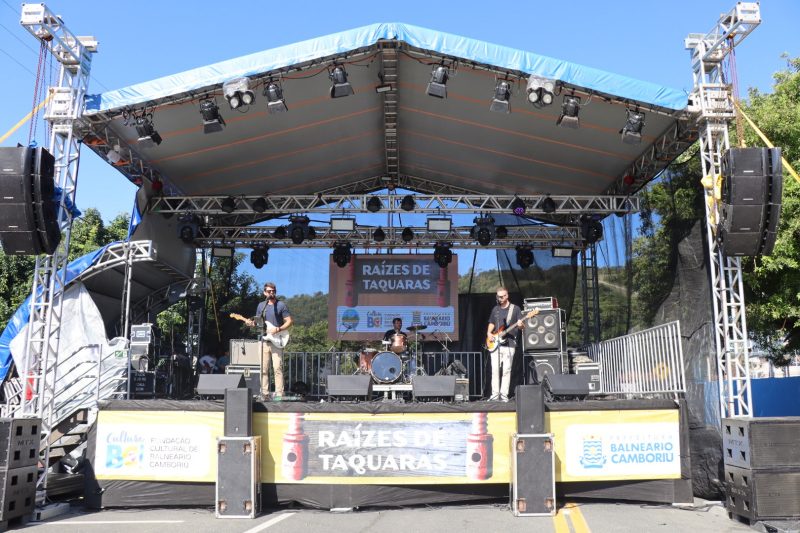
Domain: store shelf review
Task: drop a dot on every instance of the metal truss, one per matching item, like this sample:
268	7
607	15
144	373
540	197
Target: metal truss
119	254
716	108
411	183
388	75
541	237
430	204
40	361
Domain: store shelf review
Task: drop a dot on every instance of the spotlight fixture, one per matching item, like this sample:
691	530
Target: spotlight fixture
407	235
570	108
540	90
562	251
502	94
438	85
148	136
501	232
524	256
228	205
442	254
517	206
259	205
379	235
549	205
439	224
212	120
632	130
591	229
188	227
341	87
407	203
374	204
342	254
259	257
279	233
345	225
237	92
275	101
483	231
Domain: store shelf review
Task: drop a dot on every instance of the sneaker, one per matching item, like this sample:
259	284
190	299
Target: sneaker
494	398
503	398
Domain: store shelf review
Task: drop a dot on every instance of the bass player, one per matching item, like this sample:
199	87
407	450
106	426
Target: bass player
505	322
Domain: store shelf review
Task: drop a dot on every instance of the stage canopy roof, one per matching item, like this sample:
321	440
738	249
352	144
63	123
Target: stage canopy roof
390	131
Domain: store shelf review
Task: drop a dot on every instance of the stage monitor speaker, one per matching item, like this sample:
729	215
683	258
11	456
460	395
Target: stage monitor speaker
238	488
544	332
238	413
534	477
434	387
567	386
350	387
530	408
217	384
541	364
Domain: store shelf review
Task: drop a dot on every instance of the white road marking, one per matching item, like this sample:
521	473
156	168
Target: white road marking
107	522
269	523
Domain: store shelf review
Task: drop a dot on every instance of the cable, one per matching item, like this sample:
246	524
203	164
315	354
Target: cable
19	39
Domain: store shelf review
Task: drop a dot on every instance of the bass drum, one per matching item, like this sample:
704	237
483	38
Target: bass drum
386	367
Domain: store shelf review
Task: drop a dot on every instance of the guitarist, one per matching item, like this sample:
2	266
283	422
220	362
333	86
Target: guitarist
277	314
504	316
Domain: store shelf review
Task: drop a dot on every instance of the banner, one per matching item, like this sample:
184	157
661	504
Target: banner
371	290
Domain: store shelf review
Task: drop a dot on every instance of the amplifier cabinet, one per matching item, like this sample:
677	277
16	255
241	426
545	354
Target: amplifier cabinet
238	490
18	496
533	490
19	442
761	442
245	352
772	493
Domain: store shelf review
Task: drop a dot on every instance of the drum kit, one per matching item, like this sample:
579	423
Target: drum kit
396	362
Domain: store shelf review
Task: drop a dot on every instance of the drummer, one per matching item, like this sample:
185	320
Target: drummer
397	322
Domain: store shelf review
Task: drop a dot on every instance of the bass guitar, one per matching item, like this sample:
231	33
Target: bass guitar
278	340
494	340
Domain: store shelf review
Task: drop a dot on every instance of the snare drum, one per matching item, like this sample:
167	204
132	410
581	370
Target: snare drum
399	343
365	359
386	367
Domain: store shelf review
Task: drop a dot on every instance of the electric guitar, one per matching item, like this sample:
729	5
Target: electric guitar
494	340
278	340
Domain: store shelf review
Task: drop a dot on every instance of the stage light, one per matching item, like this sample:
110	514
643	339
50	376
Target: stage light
501	232
374	204
341	87
632	130
279	233
237	92
384	88
518	206
407	235
549	205
347	225
569	112
483	231
407	203
148	136
275	101
259	257
188	227
562	251
228	205
540	90
342	254
438	85
591	229
524	256
212	120
442	254
311	233
259	205
439	224
502	94
379	235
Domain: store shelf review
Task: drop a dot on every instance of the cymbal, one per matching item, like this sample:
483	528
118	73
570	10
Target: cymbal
417	327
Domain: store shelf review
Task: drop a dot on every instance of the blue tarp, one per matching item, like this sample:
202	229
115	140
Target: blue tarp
346	41
20	317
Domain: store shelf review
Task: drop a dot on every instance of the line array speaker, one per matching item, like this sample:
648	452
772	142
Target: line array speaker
28	216
544	331
752	189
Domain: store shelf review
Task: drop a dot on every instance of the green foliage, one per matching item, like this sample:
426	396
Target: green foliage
482	283
308	309
16	278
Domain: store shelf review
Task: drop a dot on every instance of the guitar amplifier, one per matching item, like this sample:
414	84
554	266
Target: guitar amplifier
245	352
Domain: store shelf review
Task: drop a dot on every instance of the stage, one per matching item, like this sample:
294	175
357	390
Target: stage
333	455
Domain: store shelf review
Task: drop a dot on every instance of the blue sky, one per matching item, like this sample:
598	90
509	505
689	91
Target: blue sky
143	40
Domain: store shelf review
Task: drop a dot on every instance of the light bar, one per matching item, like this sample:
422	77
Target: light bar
440	224
343	224
561	251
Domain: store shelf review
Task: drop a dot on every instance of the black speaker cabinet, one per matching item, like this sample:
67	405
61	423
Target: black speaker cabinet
567	386
18	496
534	477
530	409
350	387
772	493
434	387
767	442
19	442
216	384
539	365
544	332
238	489
252	376
238	413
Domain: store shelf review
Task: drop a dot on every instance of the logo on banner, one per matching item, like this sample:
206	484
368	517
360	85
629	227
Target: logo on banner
374	319
592	456
124	450
350	318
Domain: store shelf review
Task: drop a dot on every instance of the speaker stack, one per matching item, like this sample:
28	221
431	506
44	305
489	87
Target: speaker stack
238	487
19	456
28	216
762	468
543	342
752	188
